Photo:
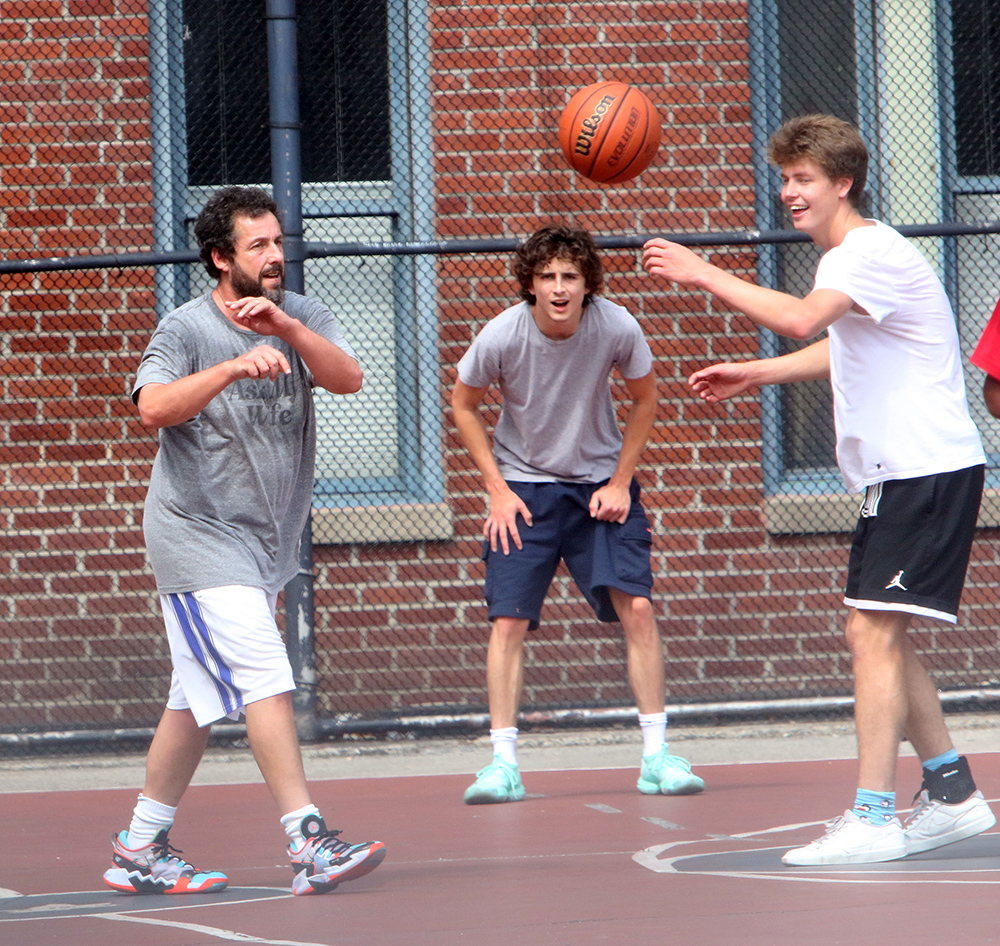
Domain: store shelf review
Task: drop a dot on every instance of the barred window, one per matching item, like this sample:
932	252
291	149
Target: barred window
976	35
365	180
343	101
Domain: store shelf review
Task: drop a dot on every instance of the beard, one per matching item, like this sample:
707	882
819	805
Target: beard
246	285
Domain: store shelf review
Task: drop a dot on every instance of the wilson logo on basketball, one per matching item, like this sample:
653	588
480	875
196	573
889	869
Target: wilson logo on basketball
589	126
633	123
609	132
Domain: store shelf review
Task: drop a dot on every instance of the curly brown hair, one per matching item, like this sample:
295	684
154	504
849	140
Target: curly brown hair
558	242
215	227
833	145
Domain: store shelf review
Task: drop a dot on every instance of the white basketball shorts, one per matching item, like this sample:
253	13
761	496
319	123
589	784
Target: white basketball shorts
226	651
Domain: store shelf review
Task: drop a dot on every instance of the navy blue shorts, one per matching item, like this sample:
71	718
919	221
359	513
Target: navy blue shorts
599	555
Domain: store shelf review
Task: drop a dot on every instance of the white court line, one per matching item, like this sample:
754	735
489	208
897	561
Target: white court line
44	914
230	935
651	858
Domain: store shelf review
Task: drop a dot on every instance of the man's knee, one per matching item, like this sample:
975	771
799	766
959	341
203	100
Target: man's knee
875	631
637	619
509	631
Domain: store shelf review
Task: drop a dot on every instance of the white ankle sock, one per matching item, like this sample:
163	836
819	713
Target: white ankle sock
149	818
292	823
505	743
654	731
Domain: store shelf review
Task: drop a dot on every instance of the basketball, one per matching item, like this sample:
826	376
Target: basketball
609	132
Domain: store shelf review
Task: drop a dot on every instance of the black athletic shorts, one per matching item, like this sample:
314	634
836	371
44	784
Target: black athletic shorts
912	544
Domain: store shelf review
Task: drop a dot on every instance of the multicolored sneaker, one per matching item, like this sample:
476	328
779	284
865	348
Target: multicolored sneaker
498	782
323	861
665	774
156	868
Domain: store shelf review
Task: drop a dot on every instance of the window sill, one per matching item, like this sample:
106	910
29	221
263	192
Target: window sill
411	522
838	512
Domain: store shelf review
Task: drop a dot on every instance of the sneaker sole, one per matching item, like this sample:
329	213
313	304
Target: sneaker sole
316	885
692	787
481	798
118	878
865	857
984	821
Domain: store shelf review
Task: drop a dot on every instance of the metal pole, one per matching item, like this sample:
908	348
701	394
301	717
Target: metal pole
286	175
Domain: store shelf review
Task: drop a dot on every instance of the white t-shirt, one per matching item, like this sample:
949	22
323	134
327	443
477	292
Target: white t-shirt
558	422
898	389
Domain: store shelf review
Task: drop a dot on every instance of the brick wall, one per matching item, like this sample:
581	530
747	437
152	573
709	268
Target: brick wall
76	600
402	627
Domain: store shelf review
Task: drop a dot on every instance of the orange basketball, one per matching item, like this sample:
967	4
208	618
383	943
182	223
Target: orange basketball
609	132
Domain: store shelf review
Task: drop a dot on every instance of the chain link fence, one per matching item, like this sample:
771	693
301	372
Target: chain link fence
428	148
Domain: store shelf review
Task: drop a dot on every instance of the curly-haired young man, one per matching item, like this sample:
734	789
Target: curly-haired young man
560	480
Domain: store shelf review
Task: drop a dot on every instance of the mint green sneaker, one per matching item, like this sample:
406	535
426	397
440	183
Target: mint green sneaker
498	782
665	774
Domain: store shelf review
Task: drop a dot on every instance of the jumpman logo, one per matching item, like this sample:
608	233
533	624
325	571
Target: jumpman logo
897	581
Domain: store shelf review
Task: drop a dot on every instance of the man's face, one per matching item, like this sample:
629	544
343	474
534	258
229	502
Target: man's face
812	198
258	264
558	288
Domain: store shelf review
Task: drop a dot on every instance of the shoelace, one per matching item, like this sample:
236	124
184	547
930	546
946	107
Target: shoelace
328	843
166	851
919	808
832	827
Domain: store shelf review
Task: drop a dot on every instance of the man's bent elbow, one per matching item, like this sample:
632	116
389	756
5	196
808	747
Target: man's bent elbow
151	411
349	382
803	331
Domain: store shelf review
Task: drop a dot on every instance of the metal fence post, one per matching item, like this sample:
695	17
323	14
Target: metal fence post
286	174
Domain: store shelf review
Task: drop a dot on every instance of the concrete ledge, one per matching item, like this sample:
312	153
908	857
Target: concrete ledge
404	523
788	513
618	747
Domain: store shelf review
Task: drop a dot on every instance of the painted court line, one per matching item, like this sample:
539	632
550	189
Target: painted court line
230	935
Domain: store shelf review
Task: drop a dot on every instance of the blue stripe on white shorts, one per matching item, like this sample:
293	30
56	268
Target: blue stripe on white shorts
226	650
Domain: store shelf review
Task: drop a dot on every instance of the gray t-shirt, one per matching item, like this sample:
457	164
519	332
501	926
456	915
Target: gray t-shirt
231	487
558	419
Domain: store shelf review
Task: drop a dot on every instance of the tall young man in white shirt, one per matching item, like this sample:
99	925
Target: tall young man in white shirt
904	438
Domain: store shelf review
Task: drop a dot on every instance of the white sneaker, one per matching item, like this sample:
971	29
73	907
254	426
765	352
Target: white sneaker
933	823
850	840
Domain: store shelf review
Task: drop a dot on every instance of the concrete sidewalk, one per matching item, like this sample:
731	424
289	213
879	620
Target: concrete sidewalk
613	747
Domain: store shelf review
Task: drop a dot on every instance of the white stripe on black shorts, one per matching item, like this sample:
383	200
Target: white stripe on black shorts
912	544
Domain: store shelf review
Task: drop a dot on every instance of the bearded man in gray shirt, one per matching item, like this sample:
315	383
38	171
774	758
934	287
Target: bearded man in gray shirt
227	381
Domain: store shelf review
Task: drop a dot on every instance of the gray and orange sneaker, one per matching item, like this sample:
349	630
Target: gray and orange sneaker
324	861
156	868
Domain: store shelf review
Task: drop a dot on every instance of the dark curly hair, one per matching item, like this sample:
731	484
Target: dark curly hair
830	143
215	227
565	243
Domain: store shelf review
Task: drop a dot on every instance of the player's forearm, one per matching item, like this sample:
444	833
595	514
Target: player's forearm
991	395
811	363
166	405
472	430
333	368
780	312
635	436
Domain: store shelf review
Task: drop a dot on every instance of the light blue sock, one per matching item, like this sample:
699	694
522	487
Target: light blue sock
946	758
875	807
